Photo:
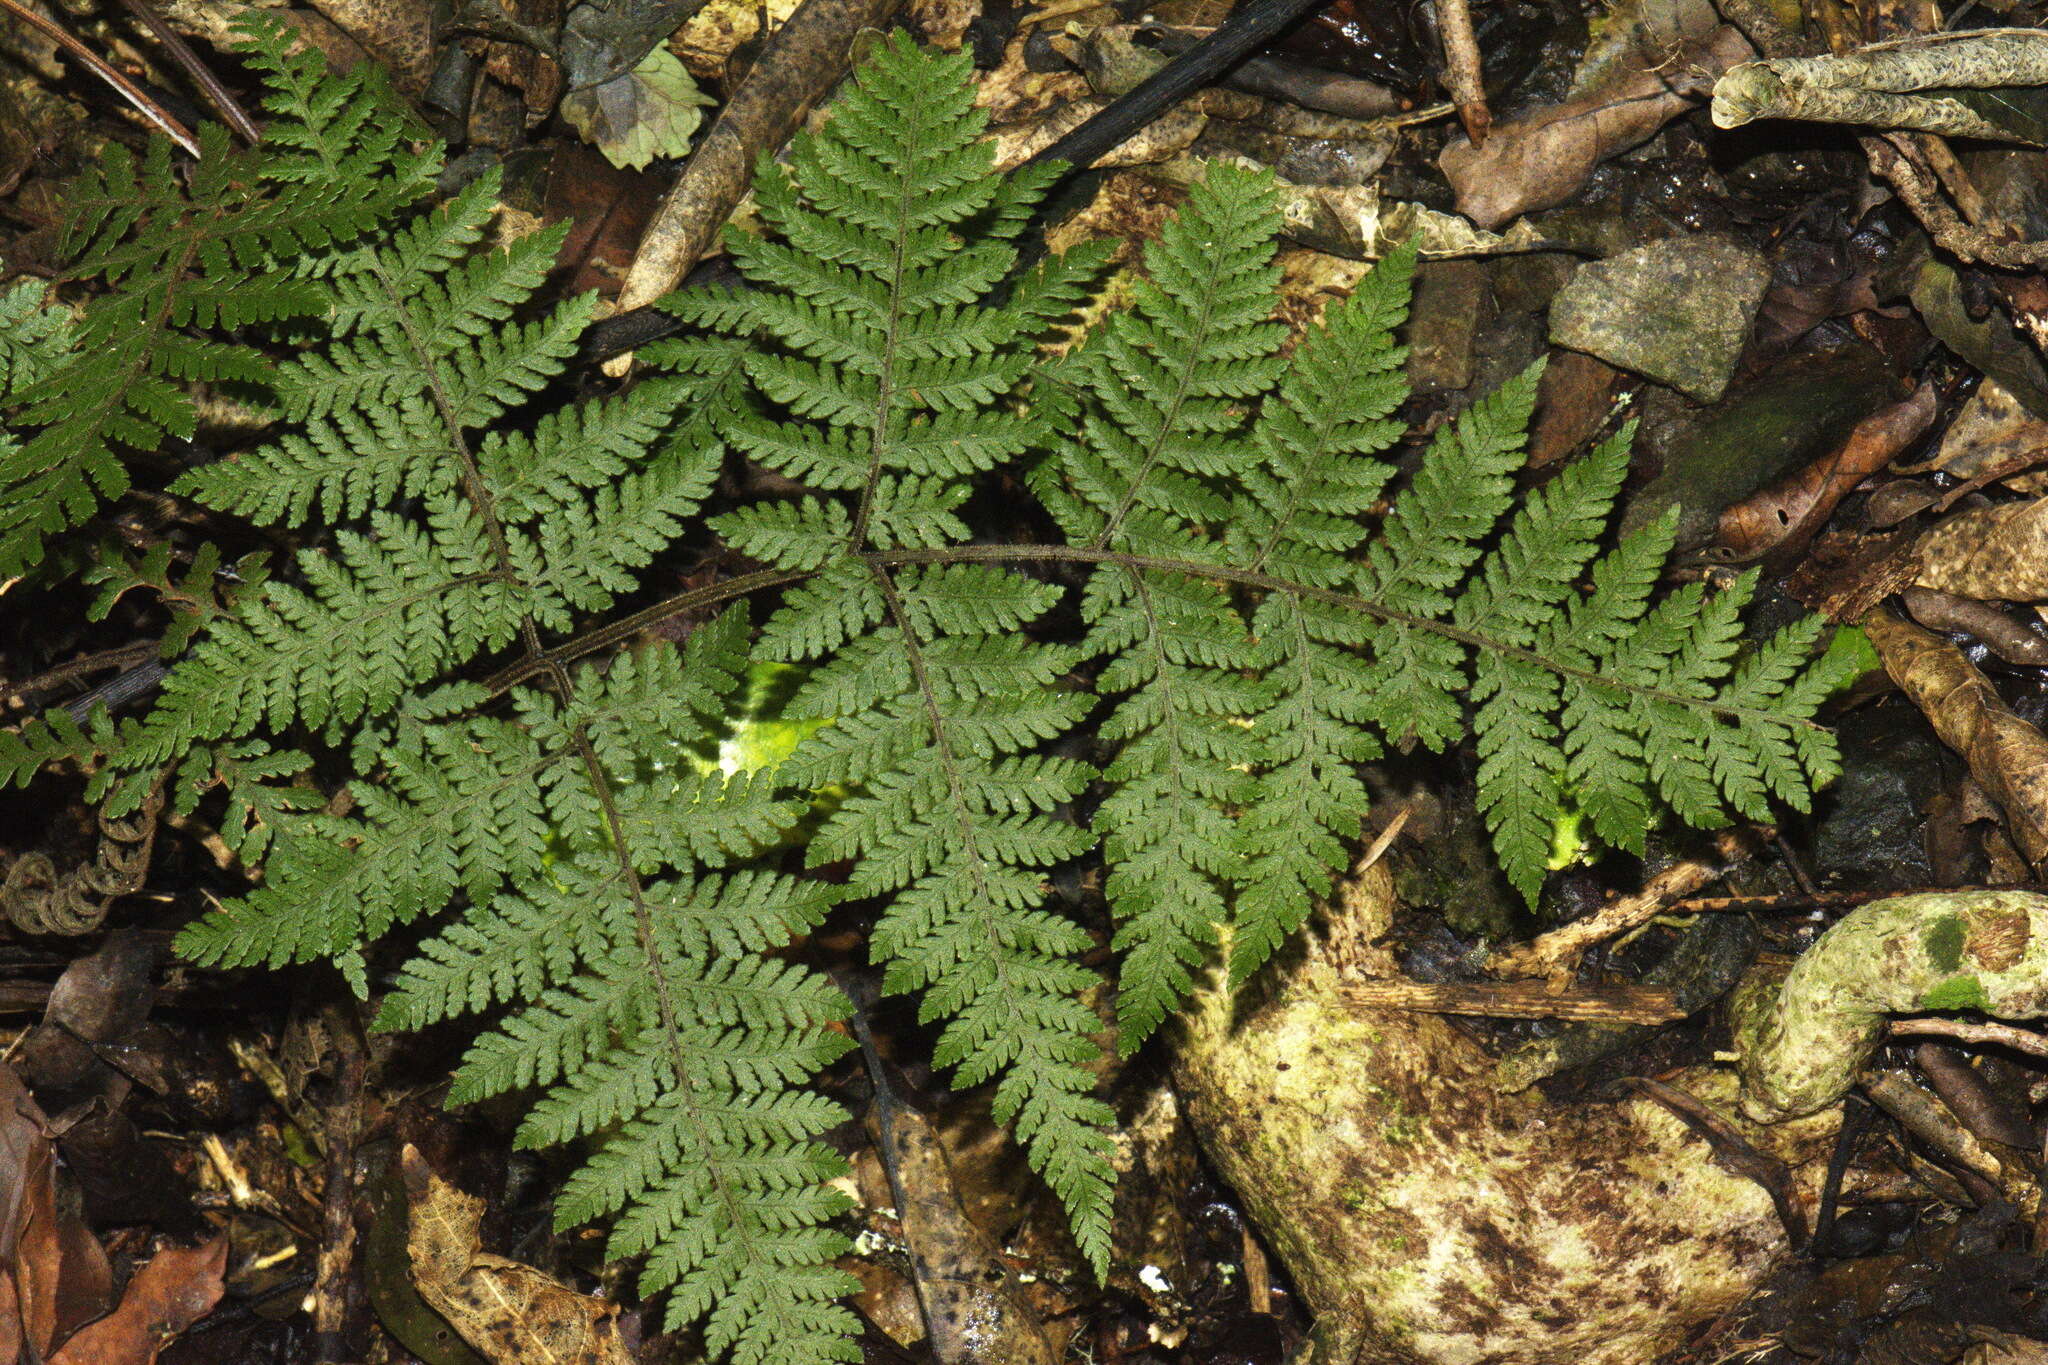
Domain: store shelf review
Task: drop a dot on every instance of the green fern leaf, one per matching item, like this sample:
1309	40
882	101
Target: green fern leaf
239	241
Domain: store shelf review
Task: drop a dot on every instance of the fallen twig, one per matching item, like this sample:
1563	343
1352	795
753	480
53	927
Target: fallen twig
1250	27
1462	75
93	62
1619	1004
1553	954
1965	1031
202	76
803	61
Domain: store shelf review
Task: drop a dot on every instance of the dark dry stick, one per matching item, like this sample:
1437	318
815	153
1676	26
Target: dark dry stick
1250	27
343	1122
1920	193
127	89
182	53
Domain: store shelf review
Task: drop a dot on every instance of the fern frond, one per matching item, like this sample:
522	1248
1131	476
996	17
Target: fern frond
1246	639
1300	517
385	613
194	598
873	307
651	1012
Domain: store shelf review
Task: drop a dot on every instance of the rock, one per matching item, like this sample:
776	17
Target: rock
1429	1219
1676	311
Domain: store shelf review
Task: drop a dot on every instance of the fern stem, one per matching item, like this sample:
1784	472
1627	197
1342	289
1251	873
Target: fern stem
650	953
1379	612
920	671
1075	554
626	627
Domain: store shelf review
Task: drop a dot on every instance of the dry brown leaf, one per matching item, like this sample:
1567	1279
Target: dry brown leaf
1998	552
1541	160
510	1312
176	1289
2007	757
1995	434
53	1275
1783	517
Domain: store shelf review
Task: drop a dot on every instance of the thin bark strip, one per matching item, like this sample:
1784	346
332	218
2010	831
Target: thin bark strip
1618	1004
1462	69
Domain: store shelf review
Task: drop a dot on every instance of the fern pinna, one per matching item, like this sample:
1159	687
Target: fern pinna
627	924
239	238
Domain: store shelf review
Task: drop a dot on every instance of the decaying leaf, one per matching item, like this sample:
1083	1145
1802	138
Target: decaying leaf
1353	221
1541	160
973	1309
651	111
53	1276
1870	86
1998	552
2007	757
1995	436
1784	516
176	1289
510	1312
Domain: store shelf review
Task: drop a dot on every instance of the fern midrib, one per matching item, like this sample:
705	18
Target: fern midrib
1162	678
885	388
1168	417
955	790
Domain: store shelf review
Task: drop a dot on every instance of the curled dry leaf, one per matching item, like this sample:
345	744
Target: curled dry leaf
2007	757
1898	500
974	1310
176	1289
511	1313
1783	517
2013	641
1870	86
1540	161
1998	552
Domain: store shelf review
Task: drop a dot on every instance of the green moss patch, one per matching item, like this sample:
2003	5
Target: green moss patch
1943	941
1963	992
